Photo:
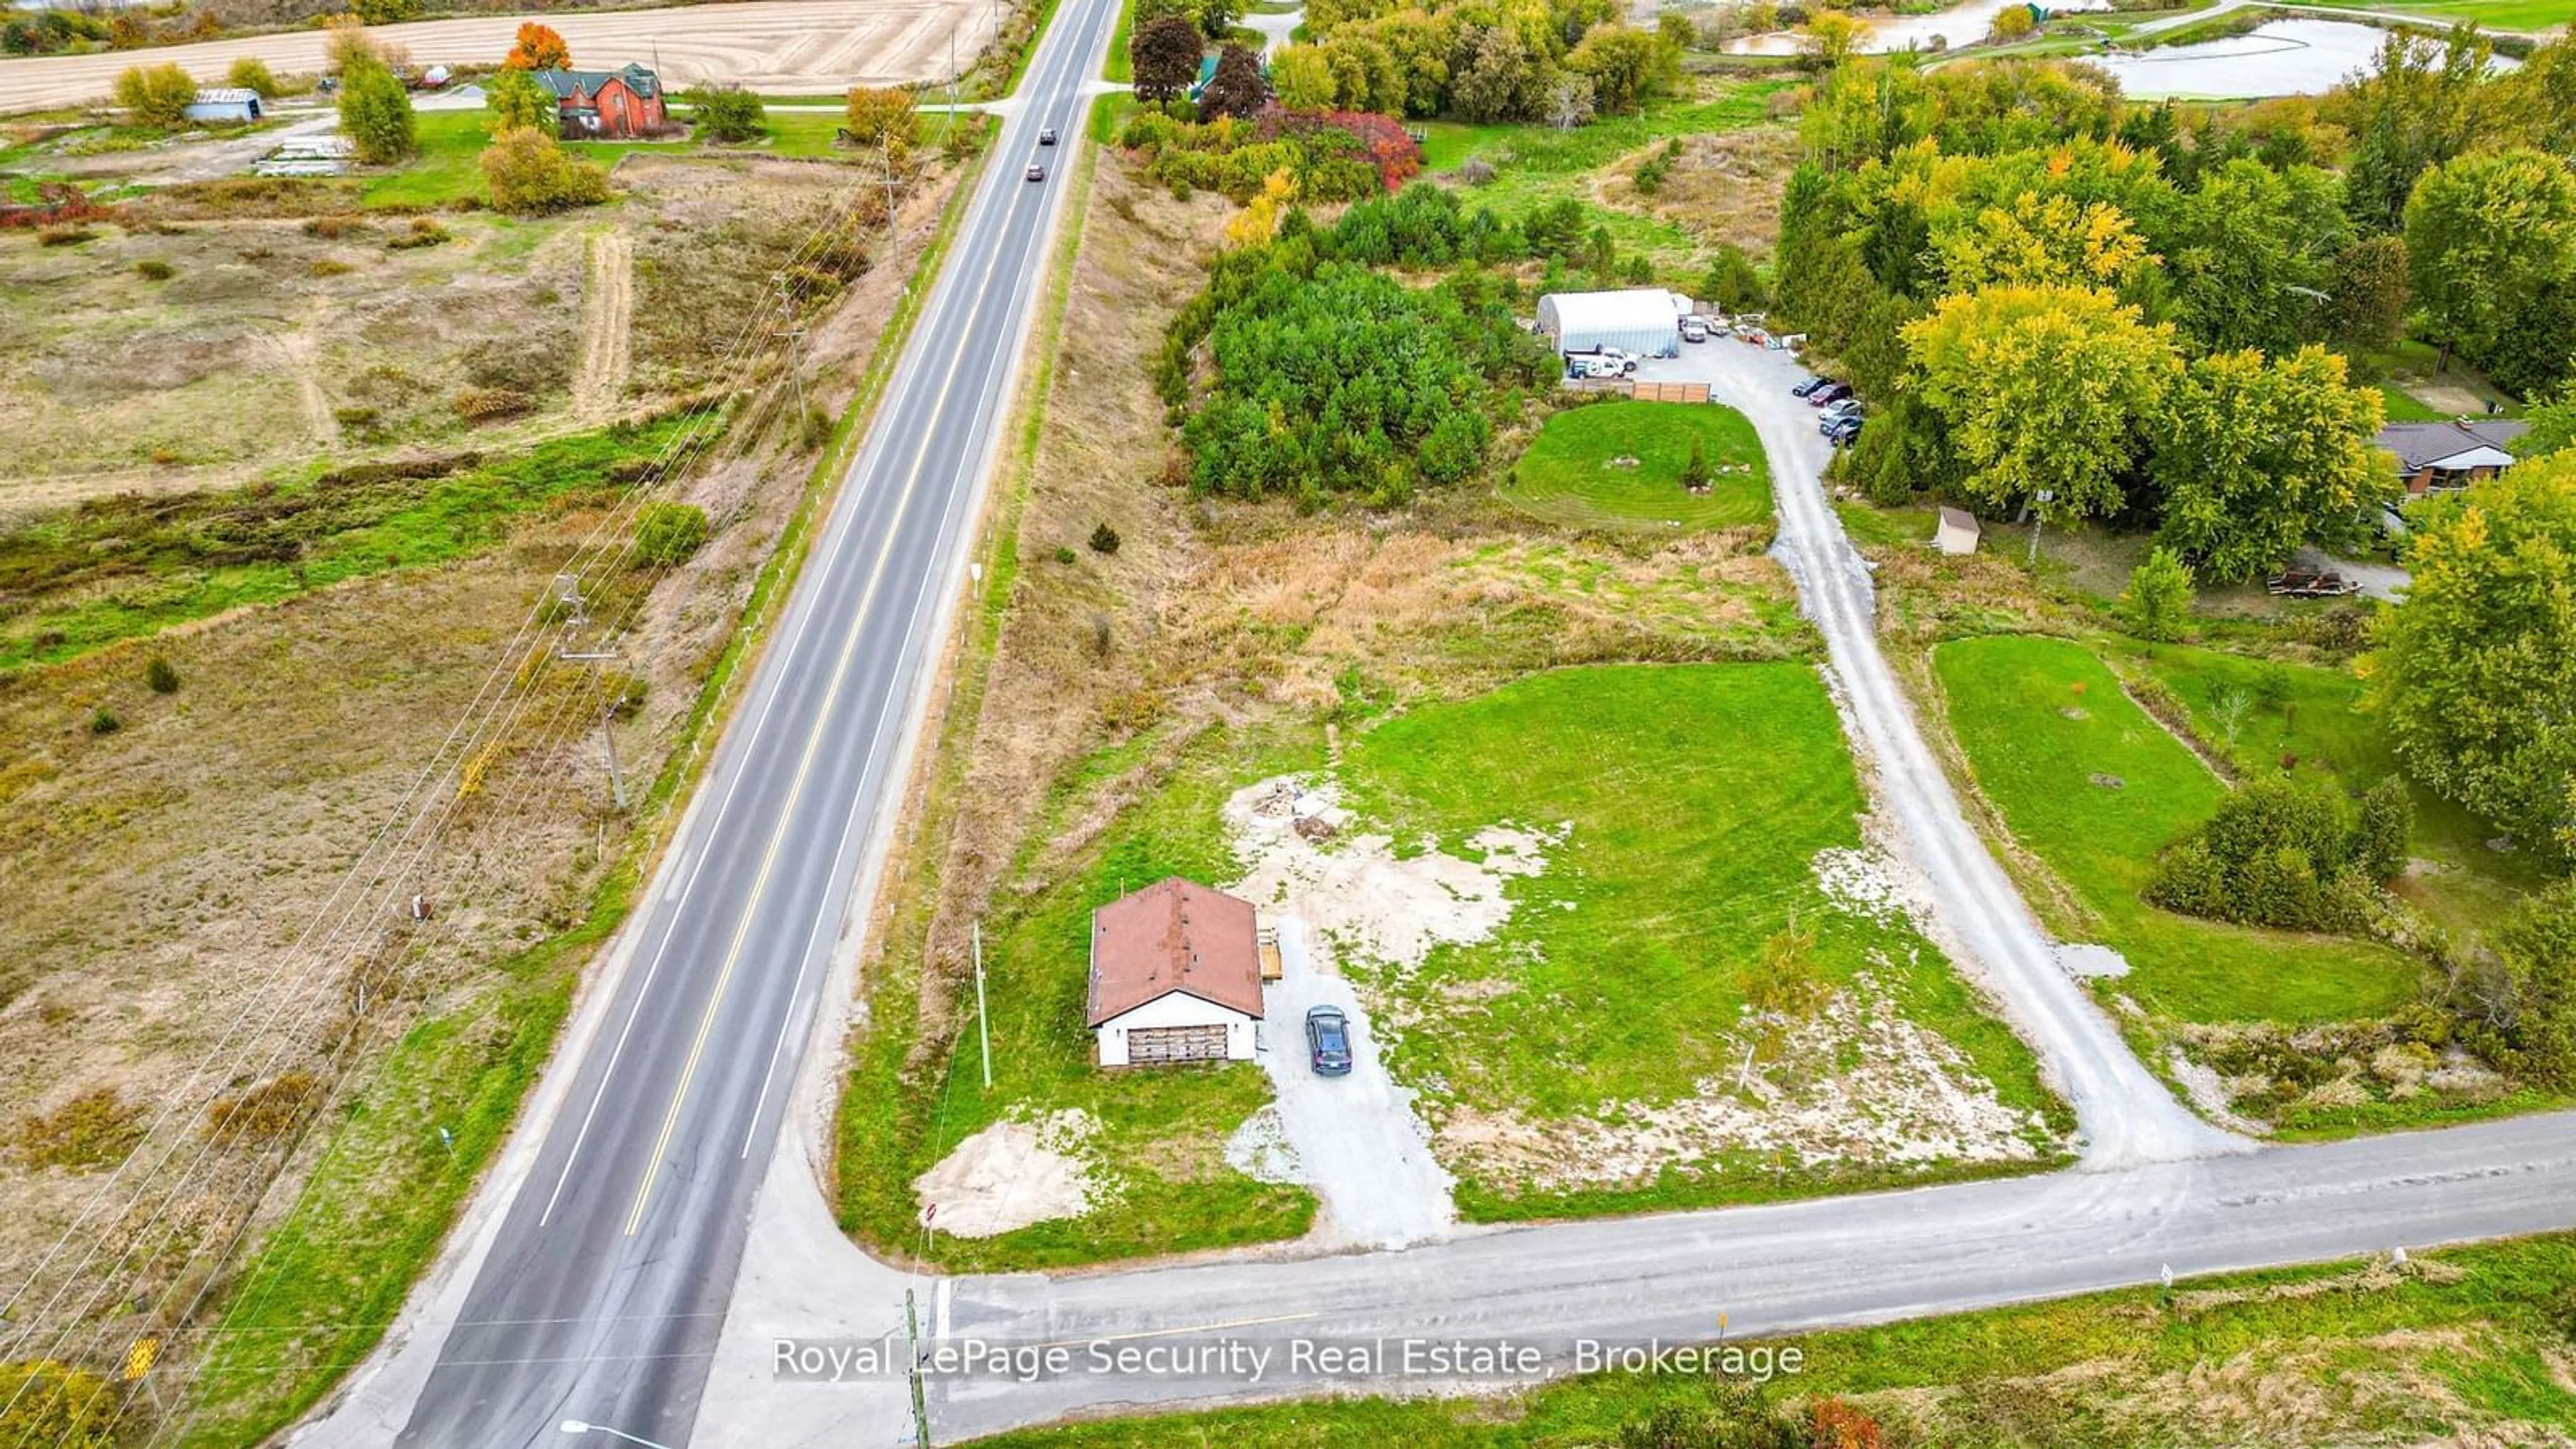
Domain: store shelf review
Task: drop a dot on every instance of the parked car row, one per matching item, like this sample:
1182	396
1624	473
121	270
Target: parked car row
1839	410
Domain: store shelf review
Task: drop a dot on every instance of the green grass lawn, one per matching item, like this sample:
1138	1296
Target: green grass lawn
790	133
449	168
1871	526
1538	164
2532	15
1164	1129
1698	797
2045	727
2319	722
1568	475
2462	1352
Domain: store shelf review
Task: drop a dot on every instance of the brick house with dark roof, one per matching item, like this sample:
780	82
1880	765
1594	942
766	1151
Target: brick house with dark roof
2437	456
1175	976
599	105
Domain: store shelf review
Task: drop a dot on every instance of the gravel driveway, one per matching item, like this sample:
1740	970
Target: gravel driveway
2125	1115
1358	1143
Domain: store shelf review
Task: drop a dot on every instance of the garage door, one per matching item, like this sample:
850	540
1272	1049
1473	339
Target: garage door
1176	1044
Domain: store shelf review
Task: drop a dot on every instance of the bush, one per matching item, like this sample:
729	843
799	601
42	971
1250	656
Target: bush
423	232
153	269
1695	467
2380	836
2157	604
814	429
375	111
251	73
53	1405
2532	996
155	95
1064	553
528	173
487	404
2279	854
63	236
163	678
725	113
1104	539
104	721
669	533
265	1112
95	1129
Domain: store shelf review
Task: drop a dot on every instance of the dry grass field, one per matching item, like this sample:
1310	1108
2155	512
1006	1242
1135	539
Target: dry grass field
164	1022
777	47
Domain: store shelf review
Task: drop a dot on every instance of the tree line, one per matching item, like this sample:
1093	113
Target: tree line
2068	304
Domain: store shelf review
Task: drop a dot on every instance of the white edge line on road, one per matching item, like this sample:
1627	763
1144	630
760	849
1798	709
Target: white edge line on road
813	743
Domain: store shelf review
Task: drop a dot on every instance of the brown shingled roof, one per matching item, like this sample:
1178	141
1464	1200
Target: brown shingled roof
1173	935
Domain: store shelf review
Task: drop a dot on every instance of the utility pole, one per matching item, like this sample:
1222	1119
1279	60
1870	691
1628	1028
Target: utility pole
912	1344
888	140
795	336
568	592
983	1023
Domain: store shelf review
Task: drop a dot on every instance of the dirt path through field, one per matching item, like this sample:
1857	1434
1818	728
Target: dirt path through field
607	315
777	47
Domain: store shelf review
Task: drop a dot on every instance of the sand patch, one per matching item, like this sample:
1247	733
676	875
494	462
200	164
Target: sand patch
1870	884
1260	1149
2089	963
1014	1173
1304	857
1855	1083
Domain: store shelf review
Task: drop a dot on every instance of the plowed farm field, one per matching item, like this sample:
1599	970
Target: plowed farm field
777	47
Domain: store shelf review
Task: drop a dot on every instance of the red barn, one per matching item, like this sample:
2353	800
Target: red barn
593	105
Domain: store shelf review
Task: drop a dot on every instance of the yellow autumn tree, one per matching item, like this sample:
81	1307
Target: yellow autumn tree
1259	221
2043	241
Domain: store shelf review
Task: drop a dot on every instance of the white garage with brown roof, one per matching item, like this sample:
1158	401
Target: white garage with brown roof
1175	976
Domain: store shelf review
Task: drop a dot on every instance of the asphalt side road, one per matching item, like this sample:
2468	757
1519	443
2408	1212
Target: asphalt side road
1202	1334
591	1282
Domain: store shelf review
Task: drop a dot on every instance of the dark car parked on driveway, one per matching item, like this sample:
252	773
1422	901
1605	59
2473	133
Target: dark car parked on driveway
1842	430
1801	389
1830	392
1328	1041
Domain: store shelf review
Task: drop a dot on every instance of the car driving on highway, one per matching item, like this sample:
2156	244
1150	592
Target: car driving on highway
1036	172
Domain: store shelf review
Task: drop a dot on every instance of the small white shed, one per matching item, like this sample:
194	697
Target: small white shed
1642	320
1175	977
232	104
1957	532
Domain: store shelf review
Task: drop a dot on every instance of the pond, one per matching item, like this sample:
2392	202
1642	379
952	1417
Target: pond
1957	26
2278	58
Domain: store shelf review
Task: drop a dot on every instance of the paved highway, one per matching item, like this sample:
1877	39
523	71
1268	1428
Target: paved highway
602	1287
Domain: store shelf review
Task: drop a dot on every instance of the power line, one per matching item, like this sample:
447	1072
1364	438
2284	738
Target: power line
475	727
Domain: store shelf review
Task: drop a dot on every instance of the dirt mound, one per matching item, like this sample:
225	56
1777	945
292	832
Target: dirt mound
1013	1174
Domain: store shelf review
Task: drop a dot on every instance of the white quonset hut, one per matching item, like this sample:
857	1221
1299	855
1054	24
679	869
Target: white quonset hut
1643	320
1175	976
225	104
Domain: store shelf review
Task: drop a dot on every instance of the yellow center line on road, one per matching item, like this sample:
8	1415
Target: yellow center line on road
1172	1332
804	765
